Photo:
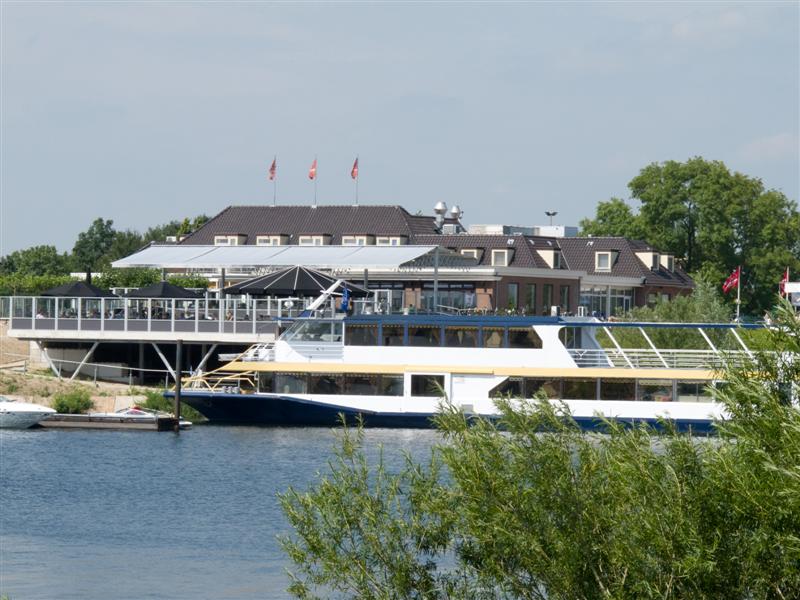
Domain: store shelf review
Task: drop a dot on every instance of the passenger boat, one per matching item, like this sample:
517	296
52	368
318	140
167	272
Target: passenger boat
394	371
21	415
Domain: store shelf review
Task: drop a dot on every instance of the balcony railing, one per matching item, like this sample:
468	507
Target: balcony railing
160	315
647	358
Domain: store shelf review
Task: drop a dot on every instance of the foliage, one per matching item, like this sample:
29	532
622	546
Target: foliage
713	220
128	278
36	260
17	284
189	281
73	402
532	507
92	245
155	400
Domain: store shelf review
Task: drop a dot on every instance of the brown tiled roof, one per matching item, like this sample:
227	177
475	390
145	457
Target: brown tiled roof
580	254
308	220
524	246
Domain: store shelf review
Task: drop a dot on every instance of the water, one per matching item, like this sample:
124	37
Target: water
123	514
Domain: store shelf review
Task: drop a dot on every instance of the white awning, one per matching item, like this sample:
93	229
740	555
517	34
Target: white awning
325	257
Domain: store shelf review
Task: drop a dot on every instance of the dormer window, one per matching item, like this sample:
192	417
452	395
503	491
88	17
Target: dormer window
385	240
668	262
229	240
501	258
272	240
602	261
314	240
472	253
357	240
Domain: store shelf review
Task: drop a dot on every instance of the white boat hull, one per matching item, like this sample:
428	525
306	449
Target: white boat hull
21	415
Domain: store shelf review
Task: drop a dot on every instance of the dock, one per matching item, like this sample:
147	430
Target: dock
64	421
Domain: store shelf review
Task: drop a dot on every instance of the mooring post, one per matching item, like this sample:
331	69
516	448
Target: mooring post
178	371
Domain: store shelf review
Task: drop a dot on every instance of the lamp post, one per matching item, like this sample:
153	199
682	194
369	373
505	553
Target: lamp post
551	214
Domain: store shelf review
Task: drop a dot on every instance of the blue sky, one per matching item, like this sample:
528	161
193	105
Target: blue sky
147	112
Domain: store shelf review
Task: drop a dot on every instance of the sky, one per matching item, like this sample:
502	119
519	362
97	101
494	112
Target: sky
144	112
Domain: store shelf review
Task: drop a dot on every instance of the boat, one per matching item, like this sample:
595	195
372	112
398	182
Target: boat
394	370
133	417
21	415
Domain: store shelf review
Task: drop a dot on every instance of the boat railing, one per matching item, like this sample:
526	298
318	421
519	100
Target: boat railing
648	358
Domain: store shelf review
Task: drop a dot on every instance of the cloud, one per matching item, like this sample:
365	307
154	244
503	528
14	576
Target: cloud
782	146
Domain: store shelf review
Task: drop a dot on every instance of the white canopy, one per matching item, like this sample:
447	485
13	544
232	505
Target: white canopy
326	257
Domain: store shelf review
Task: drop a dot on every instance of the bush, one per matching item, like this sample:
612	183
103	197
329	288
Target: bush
73	402
156	401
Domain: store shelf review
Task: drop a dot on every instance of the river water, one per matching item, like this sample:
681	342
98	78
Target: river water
122	514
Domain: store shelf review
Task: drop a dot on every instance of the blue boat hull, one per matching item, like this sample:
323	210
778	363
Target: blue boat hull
258	409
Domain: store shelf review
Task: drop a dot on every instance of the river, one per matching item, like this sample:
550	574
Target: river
122	514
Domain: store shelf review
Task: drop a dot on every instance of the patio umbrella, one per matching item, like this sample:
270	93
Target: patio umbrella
163	289
299	281
78	289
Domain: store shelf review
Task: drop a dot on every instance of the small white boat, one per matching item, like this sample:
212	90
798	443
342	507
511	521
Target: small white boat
21	415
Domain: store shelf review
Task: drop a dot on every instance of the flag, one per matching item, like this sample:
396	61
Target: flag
345	305
733	280
354	170
273	169
784	281
312	172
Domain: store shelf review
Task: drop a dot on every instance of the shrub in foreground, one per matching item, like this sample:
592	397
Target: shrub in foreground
73	402
533	507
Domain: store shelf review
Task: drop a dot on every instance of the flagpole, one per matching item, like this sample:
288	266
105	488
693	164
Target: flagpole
357	180
738	294
275	183
316	174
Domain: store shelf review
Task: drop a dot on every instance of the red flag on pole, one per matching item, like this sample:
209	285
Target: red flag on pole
354	170
733	280
273	169
784	281
312	172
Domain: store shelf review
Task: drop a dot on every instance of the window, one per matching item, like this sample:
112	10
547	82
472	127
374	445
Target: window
461	337
556	260
665	297
551	388
492	337
565	297
472	253
547	297
229	240
392	335
325	384
499	258
265	381
312	240
602	261
427	385
361	335
391	385
531	298
655	390
513	295
511	387
389	241
263	240
354	240
580	389
291	383
221	240
523	337
424	335
618	389
361	385
652	299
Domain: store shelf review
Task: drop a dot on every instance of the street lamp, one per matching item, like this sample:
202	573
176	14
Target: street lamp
551	214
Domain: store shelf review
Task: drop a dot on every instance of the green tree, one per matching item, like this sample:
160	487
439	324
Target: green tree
713	220
532	507
124	244
92	246
616	219
37	260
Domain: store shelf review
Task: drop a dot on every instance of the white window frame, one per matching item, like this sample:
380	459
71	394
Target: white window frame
496	253
470	252
230	240
311	240
597	265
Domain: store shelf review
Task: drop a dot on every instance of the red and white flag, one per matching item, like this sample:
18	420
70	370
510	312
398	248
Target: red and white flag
733	280
312	172
354	170
273	170
784	281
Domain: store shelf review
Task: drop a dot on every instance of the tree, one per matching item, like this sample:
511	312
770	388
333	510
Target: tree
713	220
532	507
124	244
614	218
37	260
92	245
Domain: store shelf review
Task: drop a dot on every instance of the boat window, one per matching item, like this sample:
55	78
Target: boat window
325	384
693	391
492	337
550	387
291	383
392	335
570	337
427	385
655	390
461	337
424	335
361	385
358	334
511	387
315	331
580	389
265	381
618	389
391	385
523	337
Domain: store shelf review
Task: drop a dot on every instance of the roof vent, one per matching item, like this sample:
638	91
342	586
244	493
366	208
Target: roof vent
440	209
456	212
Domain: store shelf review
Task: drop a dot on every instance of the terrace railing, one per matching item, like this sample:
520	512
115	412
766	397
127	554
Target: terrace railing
647	358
